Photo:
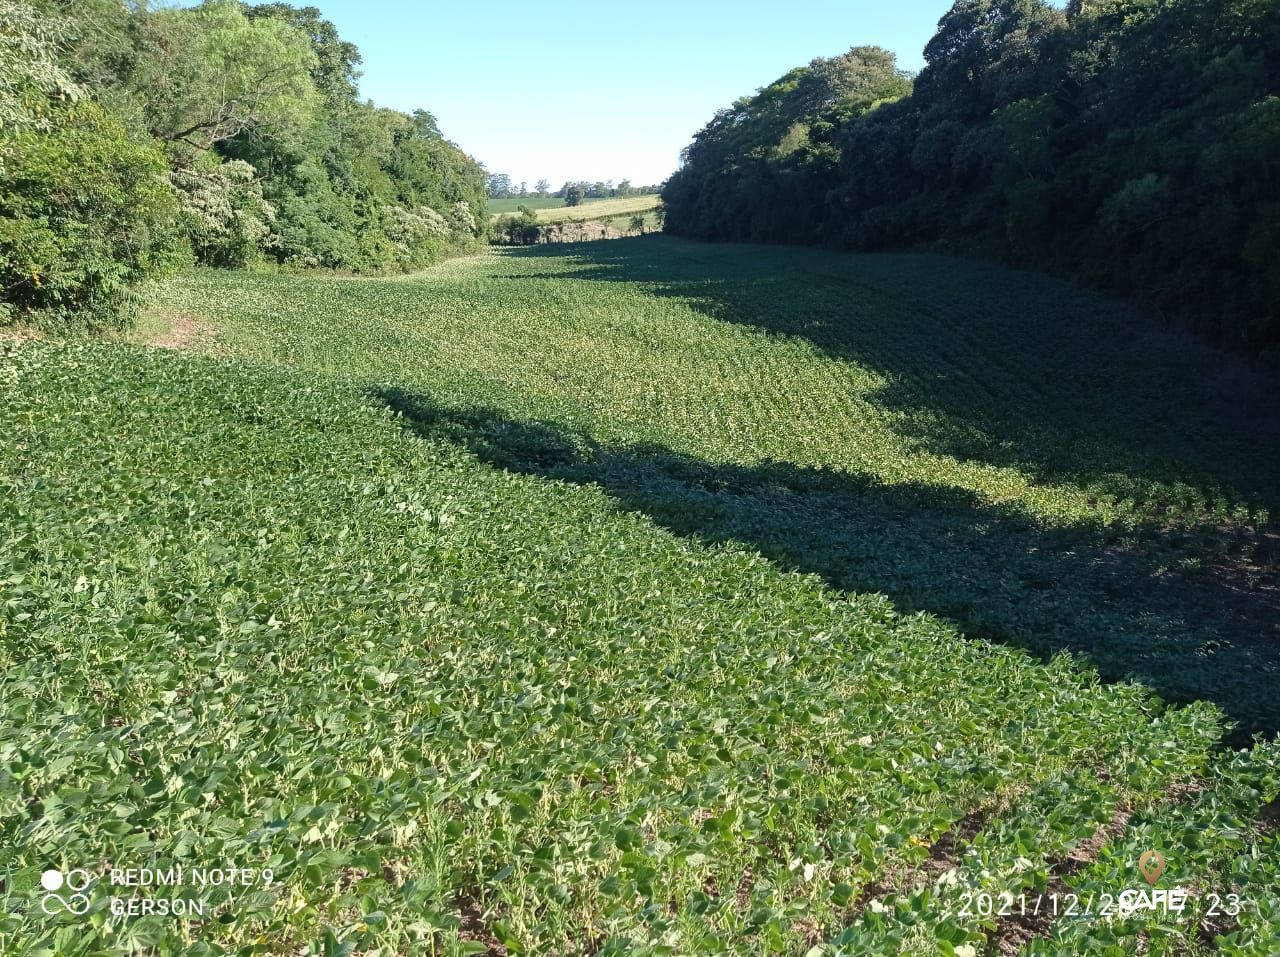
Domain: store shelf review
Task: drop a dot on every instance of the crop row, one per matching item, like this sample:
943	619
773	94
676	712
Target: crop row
248	619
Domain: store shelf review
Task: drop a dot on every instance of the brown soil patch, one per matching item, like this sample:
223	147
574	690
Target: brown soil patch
184	332
18	334
810	931
476	928
1269	819
742	897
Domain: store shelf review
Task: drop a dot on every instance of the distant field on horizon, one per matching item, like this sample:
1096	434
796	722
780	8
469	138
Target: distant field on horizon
512	204
594	209
551	209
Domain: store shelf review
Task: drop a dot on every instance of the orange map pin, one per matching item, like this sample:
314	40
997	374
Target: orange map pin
1151	863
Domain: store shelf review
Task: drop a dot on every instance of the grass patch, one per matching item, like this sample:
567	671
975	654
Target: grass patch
511	204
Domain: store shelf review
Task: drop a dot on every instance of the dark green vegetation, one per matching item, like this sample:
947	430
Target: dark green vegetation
561	634
132	139
989	445
1131	143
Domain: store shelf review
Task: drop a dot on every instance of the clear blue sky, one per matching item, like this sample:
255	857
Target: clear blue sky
593	89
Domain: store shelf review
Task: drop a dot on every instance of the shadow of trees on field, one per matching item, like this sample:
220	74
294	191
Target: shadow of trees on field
989	364
992	569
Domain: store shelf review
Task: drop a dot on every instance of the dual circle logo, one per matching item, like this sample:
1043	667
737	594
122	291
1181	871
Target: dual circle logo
64	891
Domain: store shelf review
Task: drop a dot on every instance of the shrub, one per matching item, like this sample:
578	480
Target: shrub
415	234
85	214
223	213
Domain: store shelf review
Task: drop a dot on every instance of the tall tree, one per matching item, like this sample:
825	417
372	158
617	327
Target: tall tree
30	72
1132	143
236	131
214	73
500	186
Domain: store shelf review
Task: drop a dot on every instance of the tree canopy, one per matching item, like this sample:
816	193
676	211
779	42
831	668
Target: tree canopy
1132	143
225	133
30	74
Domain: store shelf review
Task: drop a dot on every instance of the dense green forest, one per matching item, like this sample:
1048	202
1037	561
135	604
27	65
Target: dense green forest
1131	143
136	139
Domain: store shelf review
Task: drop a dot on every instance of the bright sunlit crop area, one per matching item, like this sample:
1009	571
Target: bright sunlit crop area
632	597
688	480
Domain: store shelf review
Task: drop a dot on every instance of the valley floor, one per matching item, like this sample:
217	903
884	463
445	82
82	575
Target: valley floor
643	596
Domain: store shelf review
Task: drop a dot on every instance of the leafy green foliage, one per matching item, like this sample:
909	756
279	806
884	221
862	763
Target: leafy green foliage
213	73
451	705
361	188
1132	144
85	215
762	169
29	71
270	153
956	417
1214	841
225	217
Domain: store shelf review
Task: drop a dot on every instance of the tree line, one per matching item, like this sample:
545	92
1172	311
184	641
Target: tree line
1132	143
501	186
135	139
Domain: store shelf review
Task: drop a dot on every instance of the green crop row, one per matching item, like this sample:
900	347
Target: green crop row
1001	449
512	608
1220	853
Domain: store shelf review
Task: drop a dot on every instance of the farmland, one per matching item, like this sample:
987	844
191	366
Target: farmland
551	209
639	597
511	204
600	209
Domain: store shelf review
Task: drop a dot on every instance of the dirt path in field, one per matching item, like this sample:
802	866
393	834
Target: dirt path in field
183	332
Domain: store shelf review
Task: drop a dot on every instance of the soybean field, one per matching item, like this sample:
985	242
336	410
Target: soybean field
641	597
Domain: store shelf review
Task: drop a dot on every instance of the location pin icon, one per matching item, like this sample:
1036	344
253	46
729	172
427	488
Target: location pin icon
1151	863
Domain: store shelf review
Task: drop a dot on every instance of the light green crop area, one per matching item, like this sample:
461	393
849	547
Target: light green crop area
634	597
596	209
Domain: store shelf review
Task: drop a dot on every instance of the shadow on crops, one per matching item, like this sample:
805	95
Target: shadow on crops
988	364
937	549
